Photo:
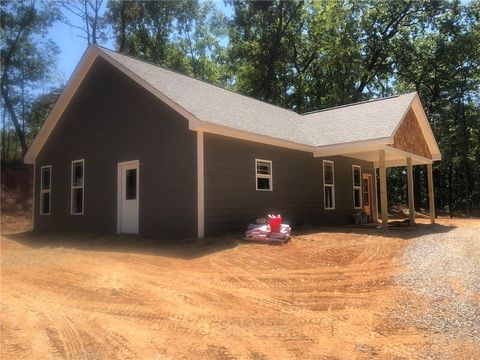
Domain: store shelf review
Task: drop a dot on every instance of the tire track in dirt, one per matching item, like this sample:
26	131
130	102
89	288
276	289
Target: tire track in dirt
322	295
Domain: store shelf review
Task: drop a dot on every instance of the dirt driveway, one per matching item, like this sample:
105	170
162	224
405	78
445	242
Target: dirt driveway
334	294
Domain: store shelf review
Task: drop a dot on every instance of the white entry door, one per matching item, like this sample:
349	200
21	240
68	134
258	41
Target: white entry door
127	212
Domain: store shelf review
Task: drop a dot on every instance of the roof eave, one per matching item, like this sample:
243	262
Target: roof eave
222	130
352	147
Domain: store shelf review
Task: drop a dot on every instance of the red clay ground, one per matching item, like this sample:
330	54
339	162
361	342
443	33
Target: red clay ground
328	294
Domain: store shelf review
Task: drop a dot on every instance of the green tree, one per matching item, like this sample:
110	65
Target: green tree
326	55
310	55
260	34
442	65
197	36
26	59
92	25
183	35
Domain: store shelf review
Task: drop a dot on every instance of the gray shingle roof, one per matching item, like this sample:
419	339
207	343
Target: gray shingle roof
213	104
363	121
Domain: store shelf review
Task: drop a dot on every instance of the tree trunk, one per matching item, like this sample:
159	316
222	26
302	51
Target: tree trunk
417	185
9	145
123	25
450	199
4	130
87	27
16	124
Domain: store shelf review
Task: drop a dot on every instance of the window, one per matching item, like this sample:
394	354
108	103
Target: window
328	185
78	183
366	196
45	189
131	184
357	186
263	171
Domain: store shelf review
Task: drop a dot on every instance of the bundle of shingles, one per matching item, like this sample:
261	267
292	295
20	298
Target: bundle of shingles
258	232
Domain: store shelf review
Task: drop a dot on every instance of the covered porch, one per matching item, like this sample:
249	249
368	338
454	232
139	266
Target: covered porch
387	157
393	132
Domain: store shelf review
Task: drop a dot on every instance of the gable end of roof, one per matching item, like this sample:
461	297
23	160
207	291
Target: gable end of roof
81	70
216	110
421	116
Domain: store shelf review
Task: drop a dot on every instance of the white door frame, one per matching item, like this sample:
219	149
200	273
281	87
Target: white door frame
119	191
369	178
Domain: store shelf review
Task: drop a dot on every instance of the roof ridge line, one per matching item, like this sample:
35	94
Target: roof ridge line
351	104
191	77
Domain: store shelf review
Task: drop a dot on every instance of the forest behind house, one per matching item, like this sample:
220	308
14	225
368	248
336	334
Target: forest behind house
301	55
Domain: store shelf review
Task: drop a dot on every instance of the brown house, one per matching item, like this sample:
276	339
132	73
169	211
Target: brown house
131	147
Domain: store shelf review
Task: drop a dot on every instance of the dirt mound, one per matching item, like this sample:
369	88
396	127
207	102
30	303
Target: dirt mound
16	188
16	196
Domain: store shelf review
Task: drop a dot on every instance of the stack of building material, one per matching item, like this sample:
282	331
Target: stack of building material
283	235
257	232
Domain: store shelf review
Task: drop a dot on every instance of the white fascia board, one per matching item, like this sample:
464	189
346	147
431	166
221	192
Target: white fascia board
401	158
351	148
248	136
405	154
391	163
396	163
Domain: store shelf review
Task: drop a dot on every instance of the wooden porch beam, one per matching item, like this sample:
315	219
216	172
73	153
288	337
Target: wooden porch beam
431	199
383	189
411	201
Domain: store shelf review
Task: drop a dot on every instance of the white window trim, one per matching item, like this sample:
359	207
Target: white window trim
359	187
73	187
44	191
329	185
263	176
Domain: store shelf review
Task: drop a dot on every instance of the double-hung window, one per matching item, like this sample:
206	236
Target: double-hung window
328	185
263	174
357	186
78	183
45	189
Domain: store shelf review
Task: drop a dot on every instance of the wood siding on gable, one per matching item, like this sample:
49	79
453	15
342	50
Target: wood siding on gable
409	137
112	119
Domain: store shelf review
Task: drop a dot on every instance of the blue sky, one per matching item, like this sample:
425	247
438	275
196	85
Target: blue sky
72	46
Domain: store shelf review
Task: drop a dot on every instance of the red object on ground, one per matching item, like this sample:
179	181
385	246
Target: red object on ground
275	223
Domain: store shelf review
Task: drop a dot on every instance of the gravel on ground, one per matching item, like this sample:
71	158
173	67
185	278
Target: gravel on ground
443	269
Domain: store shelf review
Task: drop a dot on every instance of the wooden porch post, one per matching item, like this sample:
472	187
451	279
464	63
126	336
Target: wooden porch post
411	201
431	199
383	189
375	191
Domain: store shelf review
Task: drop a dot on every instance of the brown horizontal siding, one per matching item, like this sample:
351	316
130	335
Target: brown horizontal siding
409	137
231	200
112	119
